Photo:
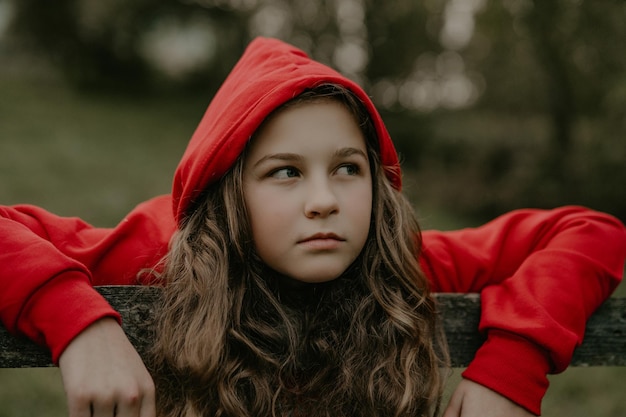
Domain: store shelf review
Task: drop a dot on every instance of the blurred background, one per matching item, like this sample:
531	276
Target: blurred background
493	105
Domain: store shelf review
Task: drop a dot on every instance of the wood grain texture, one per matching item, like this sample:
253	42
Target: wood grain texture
604	344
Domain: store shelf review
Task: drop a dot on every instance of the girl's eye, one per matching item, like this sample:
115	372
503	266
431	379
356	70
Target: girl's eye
284	173
348	169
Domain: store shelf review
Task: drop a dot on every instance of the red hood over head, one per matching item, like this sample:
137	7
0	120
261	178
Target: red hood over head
268	74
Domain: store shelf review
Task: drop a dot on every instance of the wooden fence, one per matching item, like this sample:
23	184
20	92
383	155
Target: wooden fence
604	344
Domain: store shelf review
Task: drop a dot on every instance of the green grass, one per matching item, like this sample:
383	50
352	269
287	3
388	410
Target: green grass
96	156
91	156
31	392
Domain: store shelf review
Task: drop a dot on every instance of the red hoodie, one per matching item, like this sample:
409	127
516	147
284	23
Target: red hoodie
540	273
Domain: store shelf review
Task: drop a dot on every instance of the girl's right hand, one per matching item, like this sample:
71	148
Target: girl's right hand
104	376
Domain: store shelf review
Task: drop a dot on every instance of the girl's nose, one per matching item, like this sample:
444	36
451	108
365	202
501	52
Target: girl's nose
321	200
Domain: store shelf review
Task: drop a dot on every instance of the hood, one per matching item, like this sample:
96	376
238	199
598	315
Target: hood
268	74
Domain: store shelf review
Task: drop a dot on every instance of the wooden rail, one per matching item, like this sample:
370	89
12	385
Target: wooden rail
604	344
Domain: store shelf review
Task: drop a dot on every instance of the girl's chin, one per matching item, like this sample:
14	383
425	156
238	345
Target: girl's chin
295	282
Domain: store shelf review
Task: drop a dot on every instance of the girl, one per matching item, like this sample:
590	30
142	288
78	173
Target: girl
316	304
296	281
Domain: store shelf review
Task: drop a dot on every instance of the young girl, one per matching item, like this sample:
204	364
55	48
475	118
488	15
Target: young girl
296	279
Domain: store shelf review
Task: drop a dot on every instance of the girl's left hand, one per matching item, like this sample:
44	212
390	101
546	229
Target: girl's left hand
474	400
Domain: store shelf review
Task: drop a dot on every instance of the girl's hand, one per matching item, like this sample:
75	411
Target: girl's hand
104	376
474	400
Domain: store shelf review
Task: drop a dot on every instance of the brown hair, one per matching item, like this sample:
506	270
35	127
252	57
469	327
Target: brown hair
232	340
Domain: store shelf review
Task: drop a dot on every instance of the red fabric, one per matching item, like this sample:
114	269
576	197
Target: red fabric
48	265
540	273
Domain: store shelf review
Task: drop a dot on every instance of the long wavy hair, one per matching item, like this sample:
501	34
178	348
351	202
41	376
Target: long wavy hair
234	340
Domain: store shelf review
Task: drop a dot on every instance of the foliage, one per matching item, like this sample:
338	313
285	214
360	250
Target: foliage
553	68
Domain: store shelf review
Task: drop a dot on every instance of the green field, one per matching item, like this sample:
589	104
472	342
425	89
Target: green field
96	156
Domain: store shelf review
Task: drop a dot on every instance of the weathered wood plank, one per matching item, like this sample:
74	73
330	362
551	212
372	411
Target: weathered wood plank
134	303
604	345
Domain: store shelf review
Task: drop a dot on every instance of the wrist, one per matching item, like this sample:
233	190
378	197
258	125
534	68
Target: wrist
61	310
513	367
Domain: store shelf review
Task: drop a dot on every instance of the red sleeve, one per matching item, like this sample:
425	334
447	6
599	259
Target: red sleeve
50	264
541	274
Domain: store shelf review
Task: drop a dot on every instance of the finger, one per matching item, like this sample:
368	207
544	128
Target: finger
128	405
148	403
103	408
79	406
79	411
148	407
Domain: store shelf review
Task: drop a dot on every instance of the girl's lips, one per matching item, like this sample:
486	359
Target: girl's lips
322	241
322	236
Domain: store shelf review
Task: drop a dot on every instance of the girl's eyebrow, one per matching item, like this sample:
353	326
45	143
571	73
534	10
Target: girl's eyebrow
346	152
291	157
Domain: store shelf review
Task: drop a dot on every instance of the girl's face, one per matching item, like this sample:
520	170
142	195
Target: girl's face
308	190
